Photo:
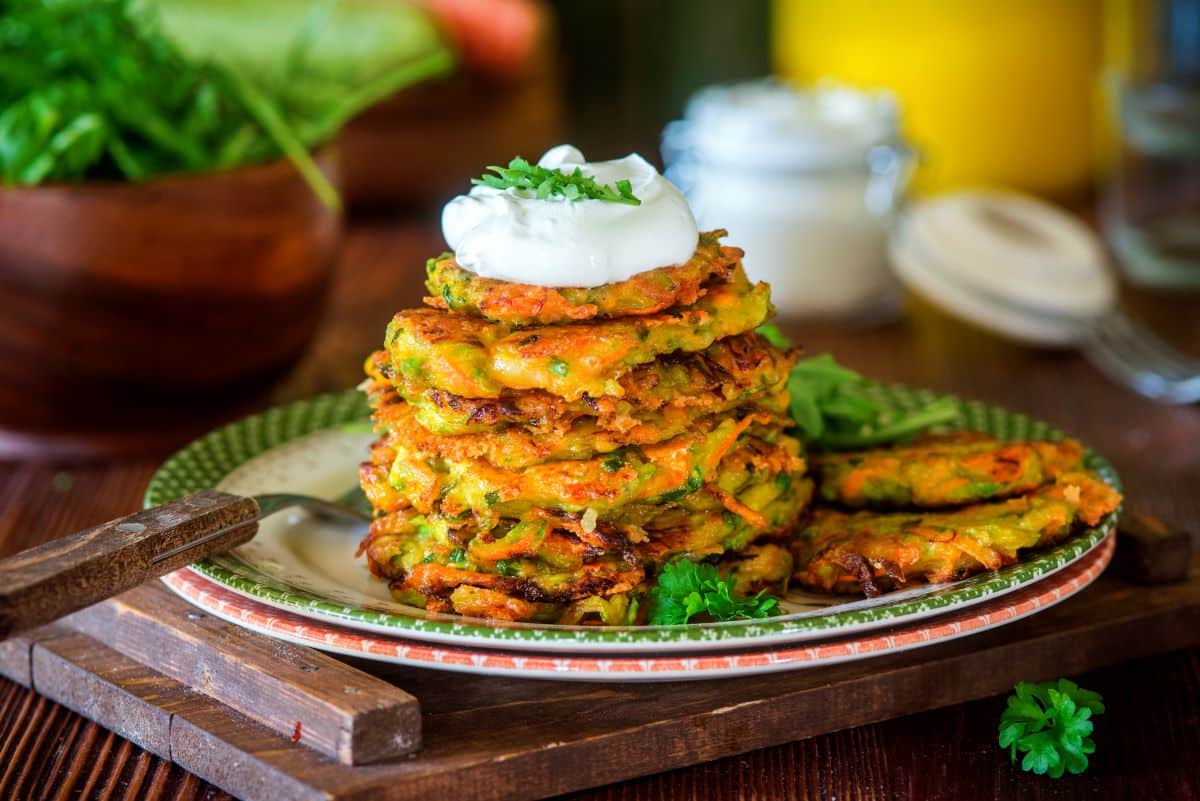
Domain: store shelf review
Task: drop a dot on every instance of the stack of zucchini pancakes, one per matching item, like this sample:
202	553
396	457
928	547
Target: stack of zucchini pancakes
543	452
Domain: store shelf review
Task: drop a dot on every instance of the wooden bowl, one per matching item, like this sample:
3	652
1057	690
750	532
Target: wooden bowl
128	307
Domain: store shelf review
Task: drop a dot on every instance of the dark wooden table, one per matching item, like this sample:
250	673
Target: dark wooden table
1148	743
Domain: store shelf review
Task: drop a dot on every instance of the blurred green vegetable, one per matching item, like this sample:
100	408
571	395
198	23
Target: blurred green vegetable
108	90
323	61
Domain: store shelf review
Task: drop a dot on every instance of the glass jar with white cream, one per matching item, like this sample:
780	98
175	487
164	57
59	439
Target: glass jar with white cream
806	182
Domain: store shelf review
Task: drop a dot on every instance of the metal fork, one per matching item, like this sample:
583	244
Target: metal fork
65	575
1131	354
352	506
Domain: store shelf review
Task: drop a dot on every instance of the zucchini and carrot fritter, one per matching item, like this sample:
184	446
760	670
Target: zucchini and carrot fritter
454	289
656	399
870	553
473	357
607	484
947	471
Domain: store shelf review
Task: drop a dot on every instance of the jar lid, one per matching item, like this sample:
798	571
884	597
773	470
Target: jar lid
770	124
1007	262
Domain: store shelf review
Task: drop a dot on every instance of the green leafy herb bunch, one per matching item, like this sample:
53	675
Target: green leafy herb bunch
97	90
1050	723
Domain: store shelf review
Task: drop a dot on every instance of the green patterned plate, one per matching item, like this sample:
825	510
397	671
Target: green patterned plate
307	566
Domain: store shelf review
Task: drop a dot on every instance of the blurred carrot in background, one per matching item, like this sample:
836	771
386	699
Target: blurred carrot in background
503	99
499	38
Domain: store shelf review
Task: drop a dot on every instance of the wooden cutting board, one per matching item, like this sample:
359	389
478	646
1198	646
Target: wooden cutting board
266	720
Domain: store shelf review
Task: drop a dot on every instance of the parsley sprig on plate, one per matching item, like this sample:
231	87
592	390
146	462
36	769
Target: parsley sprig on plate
1049	723
687	589
835	407
545	182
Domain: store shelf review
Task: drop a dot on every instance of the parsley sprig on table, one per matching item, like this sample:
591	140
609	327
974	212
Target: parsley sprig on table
545	182
835	407
686	589
1050	723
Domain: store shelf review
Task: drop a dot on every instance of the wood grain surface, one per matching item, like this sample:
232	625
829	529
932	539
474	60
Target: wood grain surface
1146	743
295	691
222	702
66	574
81	674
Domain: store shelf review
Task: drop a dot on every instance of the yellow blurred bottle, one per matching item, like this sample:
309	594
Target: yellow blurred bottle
997	92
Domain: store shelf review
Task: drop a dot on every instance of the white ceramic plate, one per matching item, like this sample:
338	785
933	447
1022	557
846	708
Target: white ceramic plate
309	567
326	636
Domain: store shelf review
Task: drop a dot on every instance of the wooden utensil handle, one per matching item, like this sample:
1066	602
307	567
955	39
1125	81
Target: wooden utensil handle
67	574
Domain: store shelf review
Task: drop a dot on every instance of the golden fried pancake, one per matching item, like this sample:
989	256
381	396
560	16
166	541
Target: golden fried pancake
869	552
950	471
475	358
665	394
453	288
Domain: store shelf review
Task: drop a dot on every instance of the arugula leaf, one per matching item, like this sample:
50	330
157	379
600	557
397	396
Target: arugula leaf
1050	723
835	407
545	182
686	589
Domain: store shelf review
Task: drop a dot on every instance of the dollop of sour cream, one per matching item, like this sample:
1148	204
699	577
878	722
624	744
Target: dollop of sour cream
511	235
